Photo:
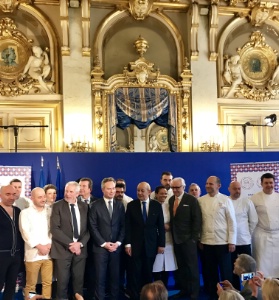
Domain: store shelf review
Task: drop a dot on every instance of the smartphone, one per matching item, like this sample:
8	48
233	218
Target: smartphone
31	294
247	276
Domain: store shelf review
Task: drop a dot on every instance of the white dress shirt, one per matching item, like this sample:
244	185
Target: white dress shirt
218	220
35	229
246	219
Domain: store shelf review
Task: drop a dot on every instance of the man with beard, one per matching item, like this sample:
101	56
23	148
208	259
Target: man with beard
265	242
165	180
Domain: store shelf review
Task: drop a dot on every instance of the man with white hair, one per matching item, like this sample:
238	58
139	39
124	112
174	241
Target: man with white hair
68	225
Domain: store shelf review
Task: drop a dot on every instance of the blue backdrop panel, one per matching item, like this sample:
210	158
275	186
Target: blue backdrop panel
135	167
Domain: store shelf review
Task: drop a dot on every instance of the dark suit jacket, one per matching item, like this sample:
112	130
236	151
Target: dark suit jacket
62	229
102	227
151	235
92	198
186	224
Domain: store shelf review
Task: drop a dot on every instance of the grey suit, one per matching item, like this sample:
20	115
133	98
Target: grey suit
66	262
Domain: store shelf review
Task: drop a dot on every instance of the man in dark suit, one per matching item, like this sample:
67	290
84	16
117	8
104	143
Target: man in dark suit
185	222
86	188
145	236
107	228
68	225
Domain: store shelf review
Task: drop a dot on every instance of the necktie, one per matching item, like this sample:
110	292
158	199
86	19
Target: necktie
110	209
175	205
75	225
86	201
144	213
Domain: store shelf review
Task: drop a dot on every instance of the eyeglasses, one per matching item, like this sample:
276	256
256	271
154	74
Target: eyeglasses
176	187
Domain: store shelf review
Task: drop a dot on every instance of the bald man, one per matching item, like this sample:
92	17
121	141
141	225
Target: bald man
35	230
218	237
10	242
246	219
145	236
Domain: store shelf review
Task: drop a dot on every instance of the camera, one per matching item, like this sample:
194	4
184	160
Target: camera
31	294
247	276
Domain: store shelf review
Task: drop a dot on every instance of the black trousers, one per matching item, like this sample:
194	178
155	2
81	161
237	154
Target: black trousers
188	278
242	249
9	269
142	267
70	267
106	266
217	260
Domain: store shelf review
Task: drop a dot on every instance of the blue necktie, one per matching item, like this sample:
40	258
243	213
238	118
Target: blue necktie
144	213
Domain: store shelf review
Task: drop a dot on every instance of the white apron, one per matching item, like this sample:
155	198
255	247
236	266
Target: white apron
166	261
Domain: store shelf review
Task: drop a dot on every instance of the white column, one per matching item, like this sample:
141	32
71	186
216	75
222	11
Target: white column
204	91
76	84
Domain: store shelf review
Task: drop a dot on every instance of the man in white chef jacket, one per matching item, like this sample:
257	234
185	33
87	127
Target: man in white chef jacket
265	242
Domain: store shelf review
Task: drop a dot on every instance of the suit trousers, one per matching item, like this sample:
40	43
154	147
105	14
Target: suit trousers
107	267
188	278
217	258
9	268
142	267
32	271
73	267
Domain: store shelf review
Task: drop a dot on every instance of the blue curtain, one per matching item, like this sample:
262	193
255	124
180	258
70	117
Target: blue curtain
142	106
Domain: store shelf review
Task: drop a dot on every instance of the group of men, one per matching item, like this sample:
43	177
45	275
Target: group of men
84	235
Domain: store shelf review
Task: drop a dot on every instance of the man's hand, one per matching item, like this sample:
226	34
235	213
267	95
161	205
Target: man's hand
226	285
219	289
200	245
111	247
161	250
75	248
231	247
128	250
167	226
43	249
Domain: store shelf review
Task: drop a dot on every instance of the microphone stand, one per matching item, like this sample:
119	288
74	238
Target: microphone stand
16	128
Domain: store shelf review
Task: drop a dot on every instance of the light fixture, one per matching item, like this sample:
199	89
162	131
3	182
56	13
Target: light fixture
210	147
78	145
270	120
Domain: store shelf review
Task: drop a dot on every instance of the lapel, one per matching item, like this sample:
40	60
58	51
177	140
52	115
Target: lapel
65	213
180	204
105	210
139	211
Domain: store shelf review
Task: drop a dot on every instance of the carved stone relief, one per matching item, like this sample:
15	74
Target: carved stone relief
253	72
24	68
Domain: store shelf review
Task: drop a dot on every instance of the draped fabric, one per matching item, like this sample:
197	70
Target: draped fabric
142	106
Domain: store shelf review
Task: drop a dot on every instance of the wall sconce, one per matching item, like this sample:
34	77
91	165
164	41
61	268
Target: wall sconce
210	147
78	146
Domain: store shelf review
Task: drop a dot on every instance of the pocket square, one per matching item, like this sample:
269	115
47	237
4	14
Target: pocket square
185	205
